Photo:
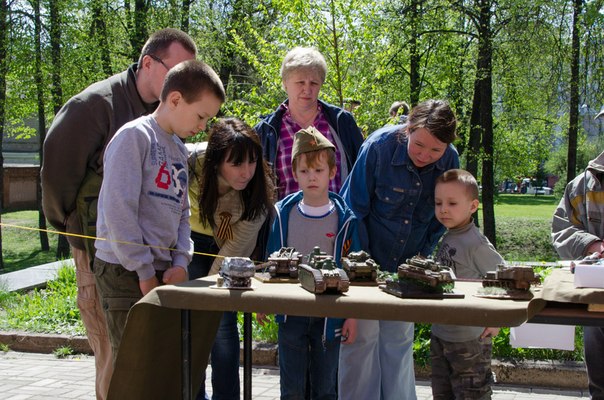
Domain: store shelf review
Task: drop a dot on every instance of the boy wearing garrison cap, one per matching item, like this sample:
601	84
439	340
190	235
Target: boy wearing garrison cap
314	216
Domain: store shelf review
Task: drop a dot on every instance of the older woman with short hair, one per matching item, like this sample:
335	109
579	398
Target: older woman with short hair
303	73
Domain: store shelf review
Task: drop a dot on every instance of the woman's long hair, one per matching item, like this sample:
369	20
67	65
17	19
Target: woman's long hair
237	140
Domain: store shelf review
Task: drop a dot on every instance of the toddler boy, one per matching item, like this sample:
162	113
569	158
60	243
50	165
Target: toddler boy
461	355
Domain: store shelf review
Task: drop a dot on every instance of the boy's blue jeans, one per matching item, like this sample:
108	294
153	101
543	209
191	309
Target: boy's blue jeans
301	350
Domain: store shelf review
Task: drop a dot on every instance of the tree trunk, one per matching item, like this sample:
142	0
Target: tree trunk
573	125
336	51
56	90
473	150
138	36
485	56
414	56
98	31
3	71
184	15
41	119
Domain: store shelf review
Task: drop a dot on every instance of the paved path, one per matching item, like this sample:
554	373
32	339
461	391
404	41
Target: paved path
25	376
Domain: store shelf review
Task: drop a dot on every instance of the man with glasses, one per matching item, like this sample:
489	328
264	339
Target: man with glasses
72	167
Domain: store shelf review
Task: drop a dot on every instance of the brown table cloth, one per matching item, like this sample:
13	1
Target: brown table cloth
559	286
148	365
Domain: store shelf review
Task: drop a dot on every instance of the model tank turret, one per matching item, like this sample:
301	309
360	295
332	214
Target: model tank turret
511	278
422	277
321	275
360	267
284	262
425	271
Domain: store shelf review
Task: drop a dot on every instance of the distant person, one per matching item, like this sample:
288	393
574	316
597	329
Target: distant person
143	211
231	195
461	355
578	231
72	167
391	191
399	111
303	73
314	216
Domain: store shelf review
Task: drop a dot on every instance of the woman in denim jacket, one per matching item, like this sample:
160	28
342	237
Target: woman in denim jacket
391	191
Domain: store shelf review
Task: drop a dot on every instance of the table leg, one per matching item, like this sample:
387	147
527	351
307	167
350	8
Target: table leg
185	329
247	356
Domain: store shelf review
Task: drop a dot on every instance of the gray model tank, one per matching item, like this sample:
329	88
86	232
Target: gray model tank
425	271
284	262
511	277
321	275
360	267
236	272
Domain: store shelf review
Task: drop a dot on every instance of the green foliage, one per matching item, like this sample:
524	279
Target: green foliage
421	344
4	347
50	310
63	352
262	333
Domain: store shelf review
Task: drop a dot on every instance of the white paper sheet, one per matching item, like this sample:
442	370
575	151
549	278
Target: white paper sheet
543	336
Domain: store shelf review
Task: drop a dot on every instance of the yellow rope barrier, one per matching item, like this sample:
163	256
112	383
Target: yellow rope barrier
28	228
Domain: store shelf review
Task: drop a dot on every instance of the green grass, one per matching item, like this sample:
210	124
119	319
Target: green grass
525	206
50	310
523	224
21	248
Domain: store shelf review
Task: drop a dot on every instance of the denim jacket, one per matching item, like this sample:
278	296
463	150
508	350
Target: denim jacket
394	200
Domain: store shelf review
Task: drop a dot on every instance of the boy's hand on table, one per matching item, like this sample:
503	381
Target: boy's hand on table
492	332
175	274
148	285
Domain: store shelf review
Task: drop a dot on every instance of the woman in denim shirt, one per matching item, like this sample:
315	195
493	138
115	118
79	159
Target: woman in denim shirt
391	191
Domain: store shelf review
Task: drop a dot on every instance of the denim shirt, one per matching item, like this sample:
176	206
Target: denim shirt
394	200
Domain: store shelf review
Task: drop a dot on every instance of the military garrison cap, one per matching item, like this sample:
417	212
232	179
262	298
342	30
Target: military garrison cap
310	139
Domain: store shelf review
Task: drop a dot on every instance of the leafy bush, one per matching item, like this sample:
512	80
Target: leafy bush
50	310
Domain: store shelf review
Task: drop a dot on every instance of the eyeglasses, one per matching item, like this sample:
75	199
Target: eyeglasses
159	60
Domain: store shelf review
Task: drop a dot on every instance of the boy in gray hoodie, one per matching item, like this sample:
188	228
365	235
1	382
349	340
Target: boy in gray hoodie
143	211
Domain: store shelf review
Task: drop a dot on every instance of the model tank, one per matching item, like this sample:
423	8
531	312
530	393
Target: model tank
360	267
284	262
424	271
511	277
321	275
236	272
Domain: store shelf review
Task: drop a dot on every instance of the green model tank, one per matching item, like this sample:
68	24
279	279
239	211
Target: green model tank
511	277
321	275
284	262
425	271
360	267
